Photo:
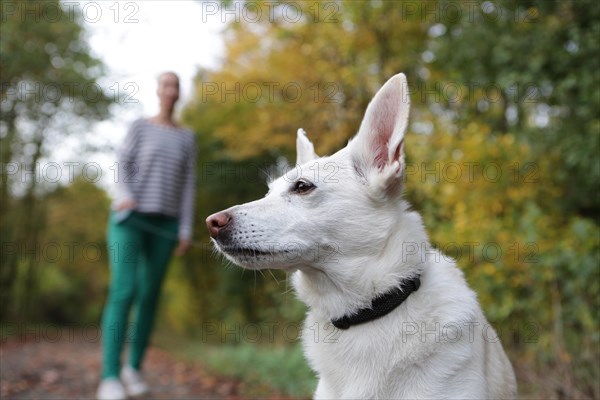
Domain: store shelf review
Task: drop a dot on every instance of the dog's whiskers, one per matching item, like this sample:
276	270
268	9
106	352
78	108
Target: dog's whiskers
274	277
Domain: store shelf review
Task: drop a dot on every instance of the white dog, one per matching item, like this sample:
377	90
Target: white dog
389	316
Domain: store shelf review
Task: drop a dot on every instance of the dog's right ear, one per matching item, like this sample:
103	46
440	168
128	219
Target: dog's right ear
378	148
305	151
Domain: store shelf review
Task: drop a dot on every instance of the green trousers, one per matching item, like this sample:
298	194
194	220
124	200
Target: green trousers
139	251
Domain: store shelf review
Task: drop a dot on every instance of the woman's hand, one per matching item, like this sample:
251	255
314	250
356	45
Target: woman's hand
182	248
126	204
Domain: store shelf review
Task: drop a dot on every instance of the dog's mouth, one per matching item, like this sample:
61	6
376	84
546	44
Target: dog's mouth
258	257
246	252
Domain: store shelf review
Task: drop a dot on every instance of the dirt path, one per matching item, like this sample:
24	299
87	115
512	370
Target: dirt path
69	369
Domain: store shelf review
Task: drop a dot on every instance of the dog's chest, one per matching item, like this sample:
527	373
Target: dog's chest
360	360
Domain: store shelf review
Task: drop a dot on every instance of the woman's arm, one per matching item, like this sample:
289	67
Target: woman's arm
126	168
186	219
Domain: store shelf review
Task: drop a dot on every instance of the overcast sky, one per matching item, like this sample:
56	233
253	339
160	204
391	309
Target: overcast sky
151	36
137	41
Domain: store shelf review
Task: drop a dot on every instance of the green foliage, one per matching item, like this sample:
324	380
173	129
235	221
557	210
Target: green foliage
506	95
70	256
526	108
535	269
48	80
49	90
542	58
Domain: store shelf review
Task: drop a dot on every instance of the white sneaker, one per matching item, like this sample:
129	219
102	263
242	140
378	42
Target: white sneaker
133	381
111	389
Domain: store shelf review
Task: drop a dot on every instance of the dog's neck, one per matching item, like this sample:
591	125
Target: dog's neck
352	282
380	306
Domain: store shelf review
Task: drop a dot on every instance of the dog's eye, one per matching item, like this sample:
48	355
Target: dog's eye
301	187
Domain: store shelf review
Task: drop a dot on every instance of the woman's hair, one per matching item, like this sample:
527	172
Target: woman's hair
167	73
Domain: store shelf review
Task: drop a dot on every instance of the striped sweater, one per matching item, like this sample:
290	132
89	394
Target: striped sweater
157	170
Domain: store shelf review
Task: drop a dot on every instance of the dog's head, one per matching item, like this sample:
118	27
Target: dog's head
327	209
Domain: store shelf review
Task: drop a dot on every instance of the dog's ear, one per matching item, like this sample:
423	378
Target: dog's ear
305	151
378	148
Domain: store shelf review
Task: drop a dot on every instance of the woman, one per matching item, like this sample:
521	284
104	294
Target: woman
153	210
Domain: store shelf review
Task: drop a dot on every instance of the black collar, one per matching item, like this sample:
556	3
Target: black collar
380	305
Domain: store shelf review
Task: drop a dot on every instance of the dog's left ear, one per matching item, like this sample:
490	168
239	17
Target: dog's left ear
378	148
305	151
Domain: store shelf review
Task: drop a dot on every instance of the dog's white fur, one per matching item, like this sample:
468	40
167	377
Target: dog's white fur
351	238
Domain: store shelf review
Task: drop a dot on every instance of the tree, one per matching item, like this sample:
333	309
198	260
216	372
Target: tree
535	69
322	71
49	90
508	88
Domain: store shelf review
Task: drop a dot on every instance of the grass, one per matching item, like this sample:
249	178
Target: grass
263	369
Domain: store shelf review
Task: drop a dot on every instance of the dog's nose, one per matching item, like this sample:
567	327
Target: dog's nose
216	222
